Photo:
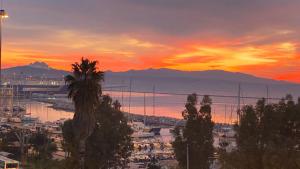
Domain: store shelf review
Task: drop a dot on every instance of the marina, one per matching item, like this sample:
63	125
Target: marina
34	116
151	116
152	135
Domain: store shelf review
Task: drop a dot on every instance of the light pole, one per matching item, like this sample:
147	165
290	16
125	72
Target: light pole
187	153
3	15
187	156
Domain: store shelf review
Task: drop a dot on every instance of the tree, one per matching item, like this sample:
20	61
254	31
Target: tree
68	143
197	134
110	145
46	164
42	145
84	89
153	164
267	137
7	144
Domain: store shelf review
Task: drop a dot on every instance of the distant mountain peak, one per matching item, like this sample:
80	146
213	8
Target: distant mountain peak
40	65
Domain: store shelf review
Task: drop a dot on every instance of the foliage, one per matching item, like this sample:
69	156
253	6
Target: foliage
109	146
7	144
197	134
68	143
85	90
42	145
268	137
45	164
153	164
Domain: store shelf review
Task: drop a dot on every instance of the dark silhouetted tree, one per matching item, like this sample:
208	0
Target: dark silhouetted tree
84	89
109	146
42	145
153	164
197	134
267	137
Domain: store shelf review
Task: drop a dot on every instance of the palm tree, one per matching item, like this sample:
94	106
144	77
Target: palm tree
84	85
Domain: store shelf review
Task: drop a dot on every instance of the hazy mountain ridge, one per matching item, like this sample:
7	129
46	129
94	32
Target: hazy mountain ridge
36	69
39	69
175	81
199	75
41	65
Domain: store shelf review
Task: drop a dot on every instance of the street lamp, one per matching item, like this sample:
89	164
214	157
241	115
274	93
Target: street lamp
187	156
3	15
187	153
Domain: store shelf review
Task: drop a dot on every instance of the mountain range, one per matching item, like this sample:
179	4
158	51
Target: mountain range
36	69
175	81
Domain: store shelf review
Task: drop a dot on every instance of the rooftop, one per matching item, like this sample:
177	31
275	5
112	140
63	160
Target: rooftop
8	160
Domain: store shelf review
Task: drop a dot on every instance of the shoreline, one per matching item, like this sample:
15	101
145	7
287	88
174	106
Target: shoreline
150	120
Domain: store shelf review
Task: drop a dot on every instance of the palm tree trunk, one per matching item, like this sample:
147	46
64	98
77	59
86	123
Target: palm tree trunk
83	131
82	153
83	126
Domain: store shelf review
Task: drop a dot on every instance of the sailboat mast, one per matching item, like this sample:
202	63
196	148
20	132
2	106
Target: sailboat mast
239	103
144	109
154	100
267	94
130	88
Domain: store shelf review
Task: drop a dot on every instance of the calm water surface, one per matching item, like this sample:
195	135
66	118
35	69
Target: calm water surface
44	112
223	109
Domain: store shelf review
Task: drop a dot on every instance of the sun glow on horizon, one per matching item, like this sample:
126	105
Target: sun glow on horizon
131	53
277	60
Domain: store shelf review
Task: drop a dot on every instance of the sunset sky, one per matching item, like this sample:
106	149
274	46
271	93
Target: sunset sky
260	37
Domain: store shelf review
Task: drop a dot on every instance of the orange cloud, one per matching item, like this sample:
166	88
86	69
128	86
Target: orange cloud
230	58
